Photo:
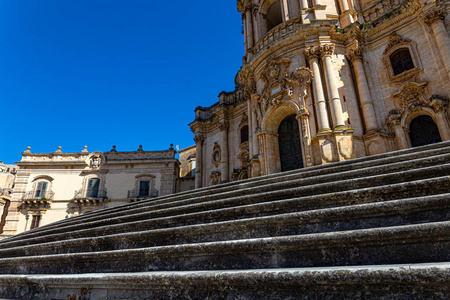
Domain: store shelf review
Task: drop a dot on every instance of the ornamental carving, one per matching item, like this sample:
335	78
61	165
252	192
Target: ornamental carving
244	158
95	162
326	50
244	119
411	95
312	53
199	138
216	155
215	177
436	15
438	103
396	40
355	54
223	126
274	76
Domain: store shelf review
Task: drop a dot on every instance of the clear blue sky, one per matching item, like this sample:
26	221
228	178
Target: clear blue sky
117	72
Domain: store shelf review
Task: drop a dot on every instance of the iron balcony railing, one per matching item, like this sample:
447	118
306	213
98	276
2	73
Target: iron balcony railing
134	193
83	194
32	195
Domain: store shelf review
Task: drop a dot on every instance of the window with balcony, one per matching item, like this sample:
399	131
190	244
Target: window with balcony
144	188
41	189
93	188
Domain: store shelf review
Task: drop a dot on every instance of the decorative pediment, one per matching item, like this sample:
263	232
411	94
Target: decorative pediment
411	95
394	41
274	74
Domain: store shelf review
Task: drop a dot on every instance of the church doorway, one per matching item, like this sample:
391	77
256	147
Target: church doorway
423	131
289	144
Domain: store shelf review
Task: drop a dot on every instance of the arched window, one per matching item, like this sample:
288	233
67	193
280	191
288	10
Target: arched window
244	134
401	61
274	16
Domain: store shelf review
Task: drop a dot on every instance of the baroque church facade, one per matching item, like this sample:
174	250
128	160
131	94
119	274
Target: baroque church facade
325	81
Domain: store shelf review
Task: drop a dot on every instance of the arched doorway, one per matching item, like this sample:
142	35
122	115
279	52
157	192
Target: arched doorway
289	144
423	131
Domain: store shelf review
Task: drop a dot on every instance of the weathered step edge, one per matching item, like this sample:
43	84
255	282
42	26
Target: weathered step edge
162	219
360	216
410	244
352	164
407	281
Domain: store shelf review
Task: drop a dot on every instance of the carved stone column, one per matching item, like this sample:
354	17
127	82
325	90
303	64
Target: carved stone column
344	5
223	126
312	55
336	107
256	24
394	121
249	23
356	57
285	10
262	24
440	108
255	129
199	157
304	4
436	20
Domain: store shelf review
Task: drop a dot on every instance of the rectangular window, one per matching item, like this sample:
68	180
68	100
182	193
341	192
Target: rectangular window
92	189
144	188
41	189
35	221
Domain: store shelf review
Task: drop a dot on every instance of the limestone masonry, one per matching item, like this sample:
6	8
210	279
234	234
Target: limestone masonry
328	81
324	175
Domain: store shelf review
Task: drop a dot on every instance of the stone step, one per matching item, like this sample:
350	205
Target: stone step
206	214
271	192
422	243
407	281
360	163
360	216
354	164
303	191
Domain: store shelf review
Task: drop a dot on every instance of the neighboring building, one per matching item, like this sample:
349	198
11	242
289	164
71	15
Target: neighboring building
325	83
54	186
187	168
7	179
7	175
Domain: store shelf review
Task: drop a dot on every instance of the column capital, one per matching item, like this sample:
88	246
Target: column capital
394	117
355	54
438	103
223	126
312	53
326	50
436	15
199	138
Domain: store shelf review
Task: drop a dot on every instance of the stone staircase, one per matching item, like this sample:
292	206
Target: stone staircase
375	228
